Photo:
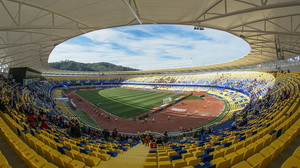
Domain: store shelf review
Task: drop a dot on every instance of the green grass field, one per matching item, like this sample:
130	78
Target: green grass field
84	117
126	103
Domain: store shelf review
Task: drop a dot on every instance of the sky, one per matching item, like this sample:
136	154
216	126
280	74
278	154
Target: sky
148	47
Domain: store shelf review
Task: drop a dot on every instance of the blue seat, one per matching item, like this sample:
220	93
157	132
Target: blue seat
112	153
226	144
60	149
124	149
181	152
208	150
177	149
205	157
153	151
206	165
279	132
83	151
175	157
66	148
272	132
217	143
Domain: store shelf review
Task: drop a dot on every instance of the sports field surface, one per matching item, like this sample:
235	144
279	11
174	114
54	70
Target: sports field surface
126	103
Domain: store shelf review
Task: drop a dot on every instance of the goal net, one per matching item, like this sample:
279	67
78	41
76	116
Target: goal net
167	100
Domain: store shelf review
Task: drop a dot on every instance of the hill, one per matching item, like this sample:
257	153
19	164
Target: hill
77	66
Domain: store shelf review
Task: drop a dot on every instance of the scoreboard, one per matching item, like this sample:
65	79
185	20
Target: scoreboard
24	75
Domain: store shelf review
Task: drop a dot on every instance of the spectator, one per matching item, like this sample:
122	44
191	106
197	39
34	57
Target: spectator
234	125
153	144
44	125
159	140
147	140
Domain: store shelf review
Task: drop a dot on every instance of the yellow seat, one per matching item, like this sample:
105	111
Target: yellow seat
186	155
33	140
218	147
71	153
39	147
234	158
277	145
92	161
14	141
285	139
191	150
162	154
229	150
218	153
79	156
151	159
49	165
38	161
238	146
119	151
165	164
247	142
7	166
150	165
28	154
220	162
250	150
257	161
293	131
197	153
267	138
74	164
297	153
151	155
3	161
51	154
45	148
163	158
172	153
291	162
259	145
179	163
61	160
242	164
192	161
19	148
242	151
104	156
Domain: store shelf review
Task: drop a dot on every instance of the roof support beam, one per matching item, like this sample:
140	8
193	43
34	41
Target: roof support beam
261	20
248	10
208	9
8	12
48	10
133	12
267	32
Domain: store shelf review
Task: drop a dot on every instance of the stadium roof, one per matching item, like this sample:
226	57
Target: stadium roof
30	29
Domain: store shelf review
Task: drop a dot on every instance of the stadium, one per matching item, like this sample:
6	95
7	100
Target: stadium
242	113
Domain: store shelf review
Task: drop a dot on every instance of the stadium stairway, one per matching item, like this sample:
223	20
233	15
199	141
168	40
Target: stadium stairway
134	158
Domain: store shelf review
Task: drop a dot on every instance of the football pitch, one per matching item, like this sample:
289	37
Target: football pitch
126	103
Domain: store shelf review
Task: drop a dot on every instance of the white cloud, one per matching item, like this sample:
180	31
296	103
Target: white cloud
139	46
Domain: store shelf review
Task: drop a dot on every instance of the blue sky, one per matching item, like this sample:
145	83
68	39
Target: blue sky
148	47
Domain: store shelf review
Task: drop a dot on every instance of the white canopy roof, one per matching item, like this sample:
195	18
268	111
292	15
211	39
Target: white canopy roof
30	29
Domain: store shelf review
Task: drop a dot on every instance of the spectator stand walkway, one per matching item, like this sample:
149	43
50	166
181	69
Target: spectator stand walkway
134	158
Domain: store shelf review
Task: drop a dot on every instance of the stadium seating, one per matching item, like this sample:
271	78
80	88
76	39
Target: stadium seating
254	144
261	140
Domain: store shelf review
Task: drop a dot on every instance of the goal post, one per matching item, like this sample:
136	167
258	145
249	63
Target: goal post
167	100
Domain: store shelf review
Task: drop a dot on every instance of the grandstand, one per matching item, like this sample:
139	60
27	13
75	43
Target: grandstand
258	124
